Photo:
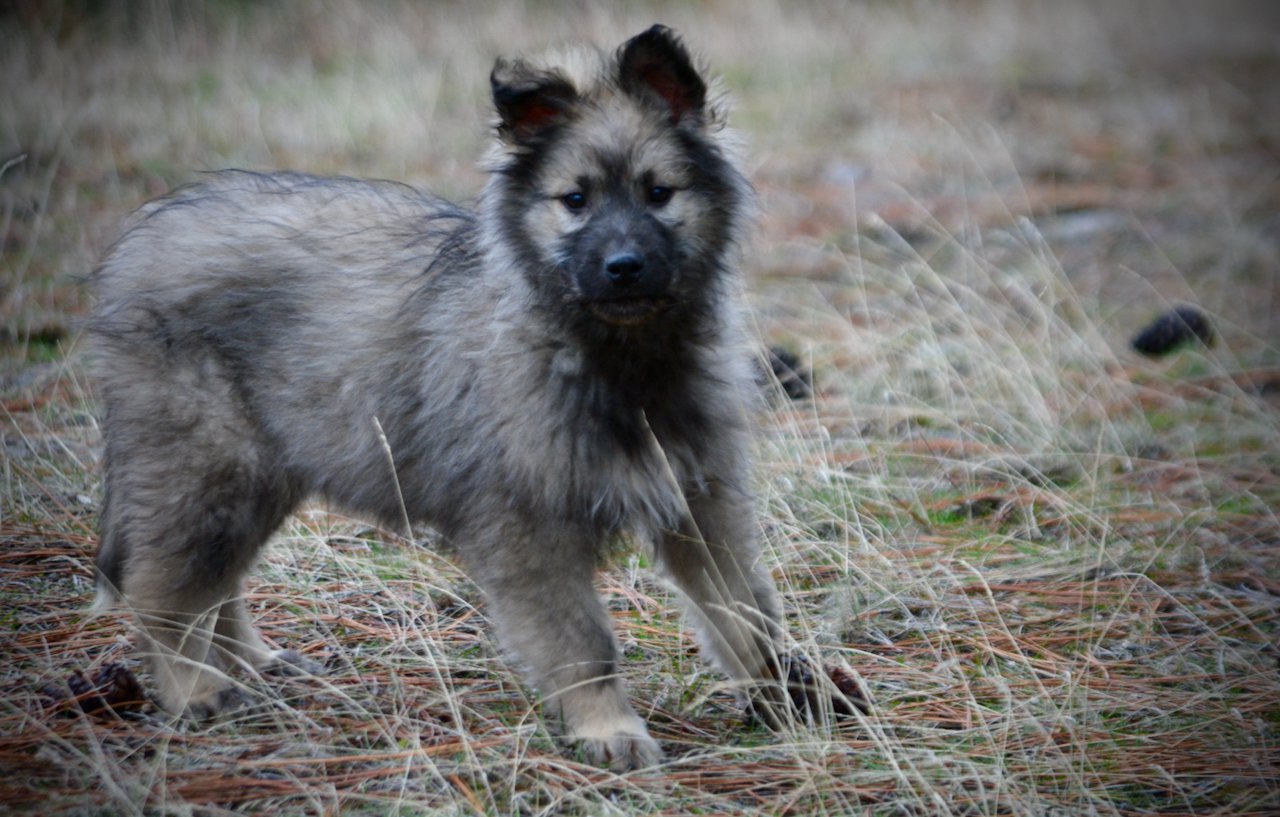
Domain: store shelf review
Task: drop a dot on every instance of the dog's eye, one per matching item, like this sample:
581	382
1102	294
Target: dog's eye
659	195
574	201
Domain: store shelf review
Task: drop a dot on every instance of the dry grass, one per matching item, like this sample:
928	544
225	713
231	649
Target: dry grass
1052	564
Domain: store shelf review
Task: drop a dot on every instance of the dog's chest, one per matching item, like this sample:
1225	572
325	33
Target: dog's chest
603	452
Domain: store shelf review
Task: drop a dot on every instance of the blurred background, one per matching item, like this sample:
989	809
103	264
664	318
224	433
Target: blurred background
1140	137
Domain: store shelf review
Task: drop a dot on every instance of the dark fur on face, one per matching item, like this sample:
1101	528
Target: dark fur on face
558	367
642	280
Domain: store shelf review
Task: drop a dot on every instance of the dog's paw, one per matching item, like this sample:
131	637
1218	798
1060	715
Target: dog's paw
806	694
621	744
291	662
214	705
620	753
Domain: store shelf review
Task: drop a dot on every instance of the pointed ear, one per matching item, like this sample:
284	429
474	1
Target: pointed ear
529	101
655	67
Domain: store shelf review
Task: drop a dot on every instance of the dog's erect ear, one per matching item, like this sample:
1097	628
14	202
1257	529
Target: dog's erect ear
655	66
529	101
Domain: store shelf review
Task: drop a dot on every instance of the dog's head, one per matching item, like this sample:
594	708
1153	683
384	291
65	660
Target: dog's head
614	186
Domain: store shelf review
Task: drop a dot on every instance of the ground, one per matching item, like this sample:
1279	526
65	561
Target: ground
1051	562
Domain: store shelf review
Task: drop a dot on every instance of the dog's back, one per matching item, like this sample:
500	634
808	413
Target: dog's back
244	307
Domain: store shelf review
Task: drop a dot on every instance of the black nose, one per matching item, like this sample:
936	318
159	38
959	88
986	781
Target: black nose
624	268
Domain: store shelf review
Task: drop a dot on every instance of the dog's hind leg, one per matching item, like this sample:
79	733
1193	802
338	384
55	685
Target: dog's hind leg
192	493
181	578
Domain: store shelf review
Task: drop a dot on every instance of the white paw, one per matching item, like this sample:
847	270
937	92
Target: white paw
622	743
214	705
292	662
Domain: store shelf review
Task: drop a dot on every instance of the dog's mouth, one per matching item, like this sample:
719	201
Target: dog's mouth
628	311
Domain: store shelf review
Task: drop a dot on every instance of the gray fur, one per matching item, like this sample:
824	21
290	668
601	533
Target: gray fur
253	332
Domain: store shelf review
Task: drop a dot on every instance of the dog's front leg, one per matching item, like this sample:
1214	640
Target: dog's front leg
714	560
540	592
